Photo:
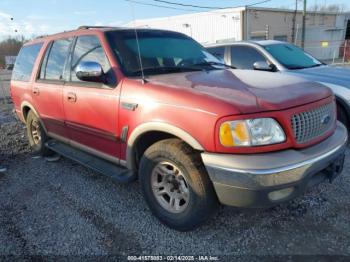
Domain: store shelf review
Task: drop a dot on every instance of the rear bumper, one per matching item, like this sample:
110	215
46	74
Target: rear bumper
263	180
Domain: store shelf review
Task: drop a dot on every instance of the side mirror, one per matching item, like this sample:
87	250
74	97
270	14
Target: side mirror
263	66
90	71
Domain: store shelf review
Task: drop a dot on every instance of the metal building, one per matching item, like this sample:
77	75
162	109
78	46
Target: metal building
325	31
10	61
205	27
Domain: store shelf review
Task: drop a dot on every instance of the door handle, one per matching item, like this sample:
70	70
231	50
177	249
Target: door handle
36	91
71	97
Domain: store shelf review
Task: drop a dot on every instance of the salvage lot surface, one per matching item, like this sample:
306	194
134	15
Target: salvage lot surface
5	76
62	208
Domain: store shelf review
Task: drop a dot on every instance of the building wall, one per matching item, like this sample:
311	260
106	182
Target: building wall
206	27
280	23
325	32
314	39
230	25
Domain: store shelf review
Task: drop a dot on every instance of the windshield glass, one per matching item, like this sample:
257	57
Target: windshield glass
161	52
291	56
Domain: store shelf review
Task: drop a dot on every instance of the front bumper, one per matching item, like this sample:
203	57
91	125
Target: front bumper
263	180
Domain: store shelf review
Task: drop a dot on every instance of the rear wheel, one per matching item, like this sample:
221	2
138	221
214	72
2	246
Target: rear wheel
36	135
176	186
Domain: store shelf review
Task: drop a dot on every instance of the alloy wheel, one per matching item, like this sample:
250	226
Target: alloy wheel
169	187
35	131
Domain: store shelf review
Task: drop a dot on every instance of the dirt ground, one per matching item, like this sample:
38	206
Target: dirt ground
63	209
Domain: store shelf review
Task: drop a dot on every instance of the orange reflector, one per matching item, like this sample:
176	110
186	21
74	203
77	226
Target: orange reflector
226	138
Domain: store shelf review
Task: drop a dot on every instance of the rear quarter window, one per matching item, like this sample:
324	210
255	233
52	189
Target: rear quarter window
25	62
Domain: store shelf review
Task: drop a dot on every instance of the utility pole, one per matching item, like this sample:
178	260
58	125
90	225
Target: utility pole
246	22
303	29
294	21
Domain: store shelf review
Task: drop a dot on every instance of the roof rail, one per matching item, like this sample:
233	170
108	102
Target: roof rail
40	36
93	26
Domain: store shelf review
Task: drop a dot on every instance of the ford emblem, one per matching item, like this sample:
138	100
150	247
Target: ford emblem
325	119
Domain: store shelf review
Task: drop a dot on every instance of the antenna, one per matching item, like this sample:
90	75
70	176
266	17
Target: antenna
138	45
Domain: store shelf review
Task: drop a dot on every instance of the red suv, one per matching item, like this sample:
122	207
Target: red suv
154	105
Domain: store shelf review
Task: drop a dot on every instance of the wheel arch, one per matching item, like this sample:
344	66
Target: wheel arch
344	105
25	108
151	133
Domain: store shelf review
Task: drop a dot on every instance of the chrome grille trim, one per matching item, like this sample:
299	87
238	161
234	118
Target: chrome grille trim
308	125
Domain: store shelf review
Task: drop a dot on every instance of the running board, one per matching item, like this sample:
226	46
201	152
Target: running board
104	167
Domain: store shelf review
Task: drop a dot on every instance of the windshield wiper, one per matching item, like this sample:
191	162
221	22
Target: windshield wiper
212	63
165	69
315	65
303	67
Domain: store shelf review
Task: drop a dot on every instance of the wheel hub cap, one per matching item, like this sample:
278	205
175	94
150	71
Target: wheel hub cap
35	130
170	187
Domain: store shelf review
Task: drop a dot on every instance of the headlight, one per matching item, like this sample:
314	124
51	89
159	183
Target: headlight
251	132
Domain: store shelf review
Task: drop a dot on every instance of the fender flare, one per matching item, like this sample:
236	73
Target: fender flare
27	104
345	105
158	127
32	108
342	95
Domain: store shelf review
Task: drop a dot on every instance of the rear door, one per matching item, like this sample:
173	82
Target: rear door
48	88
91	109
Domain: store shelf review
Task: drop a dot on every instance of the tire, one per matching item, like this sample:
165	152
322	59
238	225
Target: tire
342	116
37	136
188	178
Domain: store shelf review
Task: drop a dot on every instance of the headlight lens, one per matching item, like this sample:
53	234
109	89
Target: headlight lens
251	132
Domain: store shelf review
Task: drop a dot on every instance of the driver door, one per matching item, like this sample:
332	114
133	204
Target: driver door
91	109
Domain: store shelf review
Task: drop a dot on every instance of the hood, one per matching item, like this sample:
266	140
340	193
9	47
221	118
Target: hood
249	91
328	74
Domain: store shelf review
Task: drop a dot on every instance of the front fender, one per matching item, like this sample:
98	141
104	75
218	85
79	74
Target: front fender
160	127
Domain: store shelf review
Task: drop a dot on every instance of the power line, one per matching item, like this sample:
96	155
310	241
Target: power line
196	6
209	7
258	3
161	6
191	10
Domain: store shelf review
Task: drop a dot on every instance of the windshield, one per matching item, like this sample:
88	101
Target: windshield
291	56
161	52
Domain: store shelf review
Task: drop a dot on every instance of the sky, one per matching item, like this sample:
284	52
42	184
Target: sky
39	17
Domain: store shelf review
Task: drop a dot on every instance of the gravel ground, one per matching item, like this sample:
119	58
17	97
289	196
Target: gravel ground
5	77
63	209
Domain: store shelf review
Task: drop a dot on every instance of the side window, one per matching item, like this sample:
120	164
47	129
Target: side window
25	62
55	59
243	57
218	52
88	48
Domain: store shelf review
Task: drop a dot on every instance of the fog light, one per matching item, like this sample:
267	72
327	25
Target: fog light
280	194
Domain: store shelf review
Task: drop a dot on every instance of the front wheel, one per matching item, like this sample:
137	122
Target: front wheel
176	186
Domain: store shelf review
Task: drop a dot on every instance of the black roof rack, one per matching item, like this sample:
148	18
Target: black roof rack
93	26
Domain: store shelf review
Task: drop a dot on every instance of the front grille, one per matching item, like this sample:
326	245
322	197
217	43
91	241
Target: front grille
311	124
